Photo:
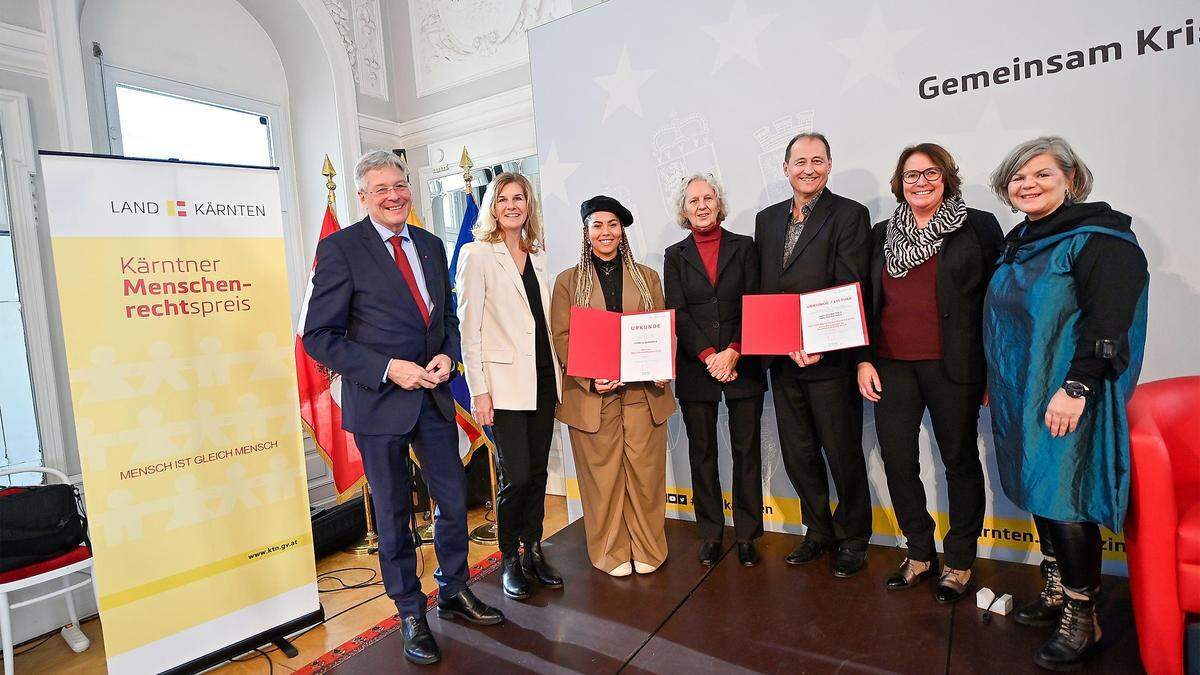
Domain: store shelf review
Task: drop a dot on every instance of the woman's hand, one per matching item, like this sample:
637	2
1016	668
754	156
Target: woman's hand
803	359
722	363
868	382
730	377
605	386
481	408
1063	413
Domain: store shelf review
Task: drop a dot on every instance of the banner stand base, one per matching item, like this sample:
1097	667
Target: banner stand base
277	636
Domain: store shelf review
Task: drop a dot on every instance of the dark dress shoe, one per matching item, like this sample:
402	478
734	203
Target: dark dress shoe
952	585
806	552
907	576
512	578
535	566
747	553
847	562
466	606
419	645
710	552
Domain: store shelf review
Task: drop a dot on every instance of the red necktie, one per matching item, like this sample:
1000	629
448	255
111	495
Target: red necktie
406	270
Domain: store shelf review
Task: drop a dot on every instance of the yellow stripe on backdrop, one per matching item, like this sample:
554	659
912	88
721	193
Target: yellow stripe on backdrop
782	512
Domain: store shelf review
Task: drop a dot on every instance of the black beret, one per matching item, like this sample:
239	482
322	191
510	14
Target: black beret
603	203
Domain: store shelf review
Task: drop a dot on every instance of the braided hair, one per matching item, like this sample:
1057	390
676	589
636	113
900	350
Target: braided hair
583	272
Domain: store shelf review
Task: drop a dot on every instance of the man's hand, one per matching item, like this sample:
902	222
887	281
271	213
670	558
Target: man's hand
481	408
802	359
440	368
868	382
661	383
722	363
408	375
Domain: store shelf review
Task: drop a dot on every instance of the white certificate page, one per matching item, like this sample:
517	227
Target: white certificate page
646	341
832	319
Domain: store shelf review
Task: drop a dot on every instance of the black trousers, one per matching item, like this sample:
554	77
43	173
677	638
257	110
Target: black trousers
825	414
745	441
523	440
909	388
1077	548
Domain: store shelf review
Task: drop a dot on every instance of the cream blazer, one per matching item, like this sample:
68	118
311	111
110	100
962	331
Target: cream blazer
494	318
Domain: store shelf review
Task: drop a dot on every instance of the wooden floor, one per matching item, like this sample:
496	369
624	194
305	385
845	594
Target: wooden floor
728	619
362	607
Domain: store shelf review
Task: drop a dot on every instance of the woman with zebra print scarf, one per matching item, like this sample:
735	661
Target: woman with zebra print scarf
931	264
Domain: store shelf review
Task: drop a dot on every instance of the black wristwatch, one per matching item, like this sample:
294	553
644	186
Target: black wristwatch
1076	389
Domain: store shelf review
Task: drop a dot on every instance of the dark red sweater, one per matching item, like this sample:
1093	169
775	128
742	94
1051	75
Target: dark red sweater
910	327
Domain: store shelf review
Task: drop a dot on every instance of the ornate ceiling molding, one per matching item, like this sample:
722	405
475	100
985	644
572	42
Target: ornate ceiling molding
360	24
457	42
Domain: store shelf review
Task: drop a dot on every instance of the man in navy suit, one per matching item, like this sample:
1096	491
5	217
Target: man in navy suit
380	316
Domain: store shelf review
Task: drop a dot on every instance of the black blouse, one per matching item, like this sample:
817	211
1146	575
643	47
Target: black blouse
545	365
610	273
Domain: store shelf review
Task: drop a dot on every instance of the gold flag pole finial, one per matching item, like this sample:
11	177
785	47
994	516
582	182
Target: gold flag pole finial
466	165
329	173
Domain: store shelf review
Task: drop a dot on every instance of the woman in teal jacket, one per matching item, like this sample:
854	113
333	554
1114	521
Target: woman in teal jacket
1064	331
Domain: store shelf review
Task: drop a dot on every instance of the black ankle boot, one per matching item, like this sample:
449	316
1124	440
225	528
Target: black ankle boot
512	578
1046	609
535	566
1078	632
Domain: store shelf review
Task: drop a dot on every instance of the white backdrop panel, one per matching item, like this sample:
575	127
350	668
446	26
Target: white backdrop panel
629	96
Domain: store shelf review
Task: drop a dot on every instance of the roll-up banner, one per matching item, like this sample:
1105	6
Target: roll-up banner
173	290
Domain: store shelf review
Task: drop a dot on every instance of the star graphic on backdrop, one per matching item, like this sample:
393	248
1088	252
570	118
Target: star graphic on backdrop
622	86
738	37
553	175
874	51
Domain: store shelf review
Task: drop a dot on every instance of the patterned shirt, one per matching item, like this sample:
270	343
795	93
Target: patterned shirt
796	227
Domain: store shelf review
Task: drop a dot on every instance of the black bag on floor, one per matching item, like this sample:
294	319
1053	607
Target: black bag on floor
38	523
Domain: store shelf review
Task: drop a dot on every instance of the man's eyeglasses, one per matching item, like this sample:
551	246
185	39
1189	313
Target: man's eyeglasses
384	191
932	174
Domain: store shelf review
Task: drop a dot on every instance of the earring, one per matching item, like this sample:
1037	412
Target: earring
1015	210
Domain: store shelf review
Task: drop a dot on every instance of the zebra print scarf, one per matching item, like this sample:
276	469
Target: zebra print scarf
907	246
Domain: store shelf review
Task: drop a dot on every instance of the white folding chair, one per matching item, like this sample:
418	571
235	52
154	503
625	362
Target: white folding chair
75	562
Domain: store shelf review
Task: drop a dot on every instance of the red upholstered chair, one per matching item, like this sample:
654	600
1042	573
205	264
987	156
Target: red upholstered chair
77	562
1162	530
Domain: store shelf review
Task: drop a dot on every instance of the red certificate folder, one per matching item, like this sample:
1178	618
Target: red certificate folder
594	350
771	324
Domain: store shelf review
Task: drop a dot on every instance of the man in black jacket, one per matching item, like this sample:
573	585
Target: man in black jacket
816	240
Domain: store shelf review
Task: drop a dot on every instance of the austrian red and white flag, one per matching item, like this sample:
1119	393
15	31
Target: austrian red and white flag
320	401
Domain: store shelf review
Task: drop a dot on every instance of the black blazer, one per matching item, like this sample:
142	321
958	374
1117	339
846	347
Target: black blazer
711	317
361	314
833	249
965	266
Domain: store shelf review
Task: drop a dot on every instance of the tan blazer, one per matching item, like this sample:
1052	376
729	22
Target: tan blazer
580	406
498	347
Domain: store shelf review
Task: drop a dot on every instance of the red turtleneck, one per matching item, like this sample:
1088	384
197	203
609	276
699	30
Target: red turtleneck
708	244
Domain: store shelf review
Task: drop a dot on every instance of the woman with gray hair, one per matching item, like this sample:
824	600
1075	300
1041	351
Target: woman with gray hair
705	277
1064	331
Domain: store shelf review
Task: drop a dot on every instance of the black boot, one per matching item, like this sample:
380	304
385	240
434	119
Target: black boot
535	566
512	578
1046	609
1078	632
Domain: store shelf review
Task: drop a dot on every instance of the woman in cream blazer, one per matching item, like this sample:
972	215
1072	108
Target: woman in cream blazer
618	430
511	368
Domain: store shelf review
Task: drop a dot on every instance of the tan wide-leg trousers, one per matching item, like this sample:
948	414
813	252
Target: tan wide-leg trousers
622	482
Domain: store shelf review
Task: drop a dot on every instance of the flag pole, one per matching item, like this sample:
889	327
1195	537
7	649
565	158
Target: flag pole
369	543
484	533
